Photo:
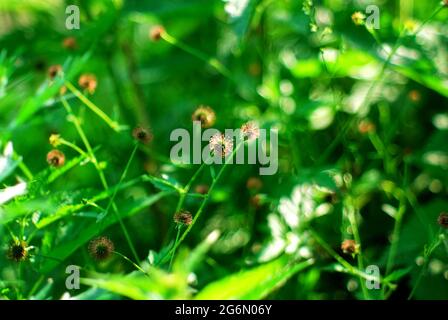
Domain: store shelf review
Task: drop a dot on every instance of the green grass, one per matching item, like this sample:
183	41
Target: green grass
362	125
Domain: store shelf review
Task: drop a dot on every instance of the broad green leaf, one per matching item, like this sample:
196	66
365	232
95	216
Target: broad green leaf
256	283
397	274
138	286
165	183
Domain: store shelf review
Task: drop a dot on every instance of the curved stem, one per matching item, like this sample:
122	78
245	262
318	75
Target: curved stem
204	201
98	168
131	262
175	245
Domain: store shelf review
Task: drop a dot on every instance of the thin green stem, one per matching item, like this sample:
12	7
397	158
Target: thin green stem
74	147
354	226
131	262
204	201
175	245
98	168
426	255
339	259
100	113
123	176
395	236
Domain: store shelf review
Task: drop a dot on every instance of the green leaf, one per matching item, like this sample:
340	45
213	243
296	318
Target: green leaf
256	283
138	286
165	183
397	274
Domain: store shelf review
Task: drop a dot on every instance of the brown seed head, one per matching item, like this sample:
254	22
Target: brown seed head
54	70
69	43
443	220
18	251
55	158
183	218
101	248
205	115
88	82
142	135
156	33
349	247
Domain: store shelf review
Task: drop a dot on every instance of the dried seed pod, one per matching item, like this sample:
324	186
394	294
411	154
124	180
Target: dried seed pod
55	158
69	43
350	247
205	115
443	220
183	218
88	82
54	70
18	251
101	248
143	135
155	34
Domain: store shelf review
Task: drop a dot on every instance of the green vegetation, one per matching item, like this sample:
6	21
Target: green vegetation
86	177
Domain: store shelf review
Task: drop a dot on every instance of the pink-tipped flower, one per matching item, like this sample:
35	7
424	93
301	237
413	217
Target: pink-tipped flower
250	131
221	145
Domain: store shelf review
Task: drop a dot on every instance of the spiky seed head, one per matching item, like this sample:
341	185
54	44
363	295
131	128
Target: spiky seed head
156	32
88	82
358	18
220	145
205	115
183	218
141	134
54	70
18	251
250	131
101	248
443	220
349	247
55	158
